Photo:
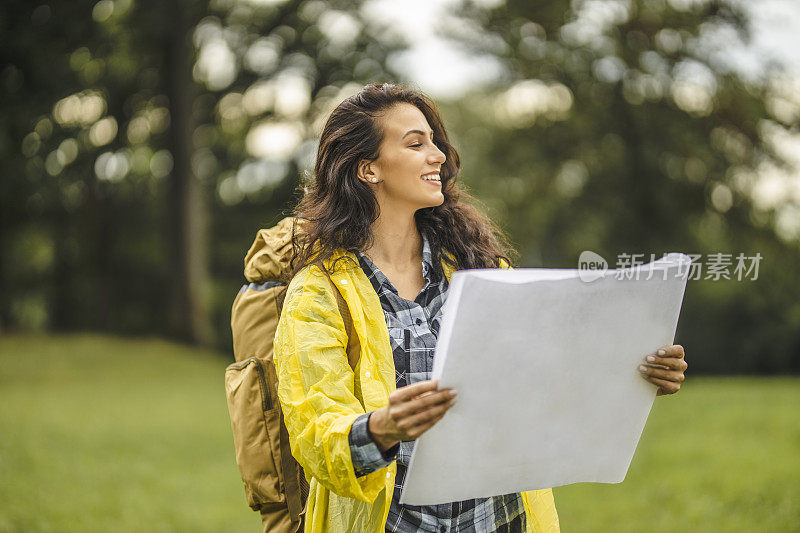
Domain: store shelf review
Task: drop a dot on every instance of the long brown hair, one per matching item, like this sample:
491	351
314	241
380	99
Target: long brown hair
337	209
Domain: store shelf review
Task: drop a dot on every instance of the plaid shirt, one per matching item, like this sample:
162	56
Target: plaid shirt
413	330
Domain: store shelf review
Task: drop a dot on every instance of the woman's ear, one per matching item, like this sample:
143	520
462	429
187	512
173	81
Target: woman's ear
366	172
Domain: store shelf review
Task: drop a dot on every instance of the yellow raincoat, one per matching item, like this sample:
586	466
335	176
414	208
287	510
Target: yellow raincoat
321	398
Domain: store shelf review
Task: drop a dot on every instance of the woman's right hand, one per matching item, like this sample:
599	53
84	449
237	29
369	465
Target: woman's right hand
412	411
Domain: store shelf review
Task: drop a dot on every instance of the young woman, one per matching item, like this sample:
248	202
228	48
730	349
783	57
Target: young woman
385	224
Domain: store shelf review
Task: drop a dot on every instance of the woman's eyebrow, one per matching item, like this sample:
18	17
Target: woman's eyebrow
416	131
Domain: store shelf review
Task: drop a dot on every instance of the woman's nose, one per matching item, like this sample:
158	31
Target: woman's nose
437	156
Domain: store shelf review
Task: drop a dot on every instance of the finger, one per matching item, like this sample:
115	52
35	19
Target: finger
656	363
424	394
416	432
409	391
669	375
428	393
433	396
422	403
673	350
422	417
672	363
664	386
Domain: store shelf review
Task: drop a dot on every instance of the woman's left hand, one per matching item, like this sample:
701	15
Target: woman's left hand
665	368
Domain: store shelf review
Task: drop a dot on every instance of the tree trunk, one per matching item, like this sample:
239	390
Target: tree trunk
186	206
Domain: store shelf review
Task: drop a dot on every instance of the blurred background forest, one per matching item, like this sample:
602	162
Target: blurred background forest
144	144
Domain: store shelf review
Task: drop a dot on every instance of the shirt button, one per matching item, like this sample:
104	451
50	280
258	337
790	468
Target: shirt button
419	321
367	374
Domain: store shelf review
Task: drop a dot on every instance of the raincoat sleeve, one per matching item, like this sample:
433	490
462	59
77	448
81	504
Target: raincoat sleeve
315	387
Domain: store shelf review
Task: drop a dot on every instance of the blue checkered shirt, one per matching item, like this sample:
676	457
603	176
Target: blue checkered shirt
413	330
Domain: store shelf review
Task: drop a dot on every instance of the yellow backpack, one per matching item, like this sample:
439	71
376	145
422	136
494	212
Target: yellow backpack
275	485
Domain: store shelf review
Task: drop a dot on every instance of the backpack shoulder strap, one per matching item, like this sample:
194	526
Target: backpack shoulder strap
353	343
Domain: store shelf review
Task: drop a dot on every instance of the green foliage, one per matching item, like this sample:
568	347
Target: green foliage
615	127
107	434
618	129
95	144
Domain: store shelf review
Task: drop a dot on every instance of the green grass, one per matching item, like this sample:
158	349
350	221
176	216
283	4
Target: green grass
721	455
104	434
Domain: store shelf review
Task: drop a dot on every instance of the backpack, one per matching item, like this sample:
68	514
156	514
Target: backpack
274	482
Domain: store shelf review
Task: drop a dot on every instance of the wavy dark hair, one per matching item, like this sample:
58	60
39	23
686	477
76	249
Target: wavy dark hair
337	209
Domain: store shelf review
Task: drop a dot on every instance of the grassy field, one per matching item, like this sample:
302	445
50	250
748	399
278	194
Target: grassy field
104	434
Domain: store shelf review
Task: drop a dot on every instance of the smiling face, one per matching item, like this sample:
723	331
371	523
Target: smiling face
406	173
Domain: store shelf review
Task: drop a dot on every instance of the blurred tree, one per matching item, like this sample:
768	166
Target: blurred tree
187	211
129	126
619	127
146	142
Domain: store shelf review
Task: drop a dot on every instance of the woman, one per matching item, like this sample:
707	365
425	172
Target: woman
385	223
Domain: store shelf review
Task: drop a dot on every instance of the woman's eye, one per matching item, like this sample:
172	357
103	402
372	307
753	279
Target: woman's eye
416	145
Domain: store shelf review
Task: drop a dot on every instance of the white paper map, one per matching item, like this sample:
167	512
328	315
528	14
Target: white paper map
546	369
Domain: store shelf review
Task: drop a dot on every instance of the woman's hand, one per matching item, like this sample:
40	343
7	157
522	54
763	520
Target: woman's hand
665	368
412	411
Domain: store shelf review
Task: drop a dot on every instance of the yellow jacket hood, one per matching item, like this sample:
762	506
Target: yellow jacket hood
270	252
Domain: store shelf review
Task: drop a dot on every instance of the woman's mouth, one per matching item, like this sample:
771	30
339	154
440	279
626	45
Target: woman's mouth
433	177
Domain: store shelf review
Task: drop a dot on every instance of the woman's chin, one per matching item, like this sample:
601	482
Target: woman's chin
437	200
433	200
